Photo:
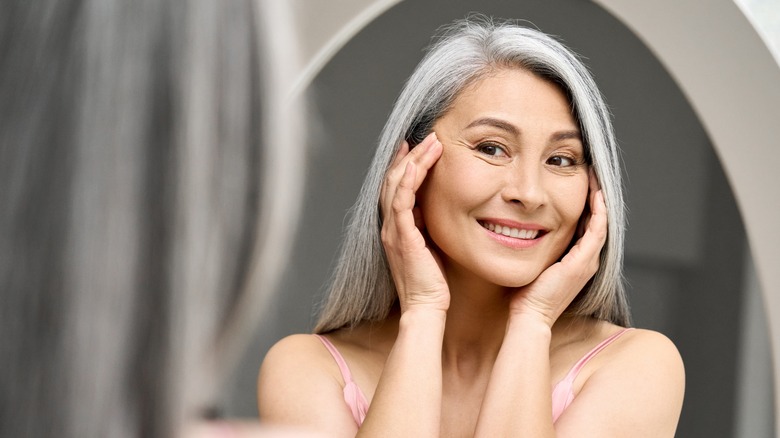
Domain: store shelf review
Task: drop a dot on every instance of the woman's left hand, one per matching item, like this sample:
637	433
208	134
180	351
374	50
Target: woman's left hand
556	287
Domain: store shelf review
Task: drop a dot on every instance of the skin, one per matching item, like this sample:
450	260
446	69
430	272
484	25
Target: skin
513	153
478	340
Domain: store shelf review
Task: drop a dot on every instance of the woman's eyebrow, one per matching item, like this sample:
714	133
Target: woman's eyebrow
513	130
567	135
496	123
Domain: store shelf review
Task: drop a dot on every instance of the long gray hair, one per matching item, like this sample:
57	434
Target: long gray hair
139	207
362	287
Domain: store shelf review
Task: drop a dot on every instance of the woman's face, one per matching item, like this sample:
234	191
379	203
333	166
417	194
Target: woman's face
503	201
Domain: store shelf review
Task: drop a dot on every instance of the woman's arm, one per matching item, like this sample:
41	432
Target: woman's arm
407	401
518	399
295	385
624	398
635	390
300	385
408	397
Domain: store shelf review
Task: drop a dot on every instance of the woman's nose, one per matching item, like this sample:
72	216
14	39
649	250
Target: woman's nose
524	186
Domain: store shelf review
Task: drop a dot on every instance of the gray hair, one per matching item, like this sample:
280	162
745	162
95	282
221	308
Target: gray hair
362	288
134	190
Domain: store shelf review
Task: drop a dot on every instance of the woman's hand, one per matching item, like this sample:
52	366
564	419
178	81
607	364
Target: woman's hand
410	386
415	267
557	286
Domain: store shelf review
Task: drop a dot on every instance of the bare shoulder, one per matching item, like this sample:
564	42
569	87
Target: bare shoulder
644	358
299	384
649	364
647	350
637	383
292	349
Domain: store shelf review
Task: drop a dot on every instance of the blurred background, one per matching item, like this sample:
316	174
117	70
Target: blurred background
688	262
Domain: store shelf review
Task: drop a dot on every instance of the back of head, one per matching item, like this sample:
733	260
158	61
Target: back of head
461	54
134	190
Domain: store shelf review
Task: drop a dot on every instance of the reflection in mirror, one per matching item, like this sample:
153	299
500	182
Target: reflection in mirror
686	266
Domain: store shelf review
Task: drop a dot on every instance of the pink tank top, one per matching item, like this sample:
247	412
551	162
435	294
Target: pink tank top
562	393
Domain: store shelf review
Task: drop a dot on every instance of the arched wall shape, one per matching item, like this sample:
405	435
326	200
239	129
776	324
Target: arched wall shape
725	70
733	83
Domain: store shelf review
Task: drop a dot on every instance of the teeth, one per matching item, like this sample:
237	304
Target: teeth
511	232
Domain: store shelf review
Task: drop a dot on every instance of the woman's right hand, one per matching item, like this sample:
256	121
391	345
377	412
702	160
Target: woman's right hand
416	269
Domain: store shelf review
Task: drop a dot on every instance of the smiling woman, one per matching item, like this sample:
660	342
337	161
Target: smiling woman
479	289
509	166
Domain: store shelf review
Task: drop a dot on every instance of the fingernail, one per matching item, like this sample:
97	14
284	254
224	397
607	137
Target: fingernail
434	142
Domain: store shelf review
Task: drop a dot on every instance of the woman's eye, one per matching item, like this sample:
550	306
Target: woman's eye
561	161
491	149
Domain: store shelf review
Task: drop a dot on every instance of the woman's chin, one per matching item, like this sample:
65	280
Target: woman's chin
515	280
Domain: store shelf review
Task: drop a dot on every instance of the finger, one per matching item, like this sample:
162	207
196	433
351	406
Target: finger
593	188
593	181
403	150
403	204
418	153
587	248
430	138
398	166
426	160
596	227
424	155
388	189
598	212
400	154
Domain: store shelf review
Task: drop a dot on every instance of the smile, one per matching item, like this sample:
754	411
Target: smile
517	233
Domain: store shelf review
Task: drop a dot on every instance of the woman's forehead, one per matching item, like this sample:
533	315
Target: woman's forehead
512	98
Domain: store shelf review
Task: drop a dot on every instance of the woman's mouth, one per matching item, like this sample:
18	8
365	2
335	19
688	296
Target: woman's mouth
517	233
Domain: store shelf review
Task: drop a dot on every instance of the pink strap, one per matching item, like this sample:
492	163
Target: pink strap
575	370
563	393
353	396
345	373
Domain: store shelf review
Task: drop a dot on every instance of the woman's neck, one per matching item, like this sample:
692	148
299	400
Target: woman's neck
476	323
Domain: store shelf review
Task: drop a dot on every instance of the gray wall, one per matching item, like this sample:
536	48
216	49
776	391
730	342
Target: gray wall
686	242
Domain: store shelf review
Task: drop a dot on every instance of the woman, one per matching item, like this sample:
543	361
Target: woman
479	289
141	208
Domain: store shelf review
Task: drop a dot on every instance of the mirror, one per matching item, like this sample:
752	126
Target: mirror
687	259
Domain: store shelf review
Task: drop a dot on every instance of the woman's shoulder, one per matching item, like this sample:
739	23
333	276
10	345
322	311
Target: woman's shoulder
638	378
634	349
647	368
650	356
653	343
301	357
623	341
638	348
295	361
299	383
298	354
296	345
619	354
